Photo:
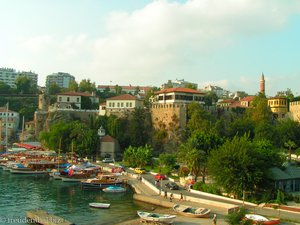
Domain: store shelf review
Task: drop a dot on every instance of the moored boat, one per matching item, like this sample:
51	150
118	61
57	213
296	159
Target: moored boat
258	219
190	211
156	217
102	181
99	205
114	189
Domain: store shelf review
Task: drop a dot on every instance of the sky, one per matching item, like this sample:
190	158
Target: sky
228	43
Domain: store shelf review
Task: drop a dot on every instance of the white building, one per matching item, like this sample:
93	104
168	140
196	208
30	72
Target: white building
179	95
178	83
9	120
70	100
220	92
61	79
120	104
126	89
9	76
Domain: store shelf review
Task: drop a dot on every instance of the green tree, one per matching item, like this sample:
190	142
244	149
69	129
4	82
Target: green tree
196	151
260	111
118	90
290	145
167	161
210	98
149	94
138	156
73	86
25	85
87	86
236	167
191	86
54	89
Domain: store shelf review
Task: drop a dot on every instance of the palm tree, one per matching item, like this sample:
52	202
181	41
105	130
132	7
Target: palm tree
290	144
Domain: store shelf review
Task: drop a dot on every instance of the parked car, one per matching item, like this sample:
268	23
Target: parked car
139	170
107	160
172	186
160	177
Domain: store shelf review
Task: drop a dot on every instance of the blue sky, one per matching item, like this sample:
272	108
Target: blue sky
228	43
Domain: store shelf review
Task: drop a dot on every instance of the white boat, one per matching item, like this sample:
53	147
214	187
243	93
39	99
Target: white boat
156	217
114	189
99	205
258	219
190	211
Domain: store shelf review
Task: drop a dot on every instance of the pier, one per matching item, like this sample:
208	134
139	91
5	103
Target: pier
44	218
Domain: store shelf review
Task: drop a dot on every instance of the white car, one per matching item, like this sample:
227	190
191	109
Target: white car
107	160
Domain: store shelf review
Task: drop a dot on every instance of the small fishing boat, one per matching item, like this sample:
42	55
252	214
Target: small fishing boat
156	217
258	219
99	205
192	211
114	189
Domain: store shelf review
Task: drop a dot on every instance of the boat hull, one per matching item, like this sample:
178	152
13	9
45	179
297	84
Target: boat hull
99	205
99	185
14	171
189	211
155	217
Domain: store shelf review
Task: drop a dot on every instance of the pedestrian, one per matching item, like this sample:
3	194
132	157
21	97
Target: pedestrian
166	194
214	219
181	197
171	197
155	182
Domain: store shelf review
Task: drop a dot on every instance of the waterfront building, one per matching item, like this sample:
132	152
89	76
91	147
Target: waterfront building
247	101
179	83
120	105
109	147
61	79
170	105
279	106
10	75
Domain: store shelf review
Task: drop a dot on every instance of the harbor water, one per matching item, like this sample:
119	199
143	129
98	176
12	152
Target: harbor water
20	193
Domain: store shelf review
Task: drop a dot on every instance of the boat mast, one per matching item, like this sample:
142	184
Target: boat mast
6	128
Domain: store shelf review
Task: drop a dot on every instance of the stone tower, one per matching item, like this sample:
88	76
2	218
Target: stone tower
262	84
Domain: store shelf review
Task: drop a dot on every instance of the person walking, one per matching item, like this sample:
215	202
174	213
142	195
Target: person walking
214	219
166	194
181	197
171	197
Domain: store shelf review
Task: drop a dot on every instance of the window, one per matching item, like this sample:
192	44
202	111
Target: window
122	104
77	99
118	104
68	99
127	104
130	104
59	99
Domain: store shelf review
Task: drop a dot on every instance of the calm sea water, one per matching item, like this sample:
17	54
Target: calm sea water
20	193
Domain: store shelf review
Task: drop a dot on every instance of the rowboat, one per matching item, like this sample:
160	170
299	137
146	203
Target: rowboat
114	189
258	219
190	211
99	205
156	217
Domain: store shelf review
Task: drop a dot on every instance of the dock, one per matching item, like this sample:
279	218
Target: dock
44	218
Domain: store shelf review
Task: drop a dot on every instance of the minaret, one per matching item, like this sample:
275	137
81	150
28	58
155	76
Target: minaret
262	84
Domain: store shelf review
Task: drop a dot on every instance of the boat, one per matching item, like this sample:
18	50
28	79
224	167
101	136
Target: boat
99	205
190	211
114	189
156	217
258	219
102	181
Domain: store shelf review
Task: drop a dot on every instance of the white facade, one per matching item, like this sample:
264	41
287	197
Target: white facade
66	101
9	120
178	83
179	95
61	79
9	76
120	104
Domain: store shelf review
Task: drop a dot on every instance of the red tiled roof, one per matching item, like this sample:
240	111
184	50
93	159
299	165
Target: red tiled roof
179	89
108	138
73	93
247	99
4	109
123	97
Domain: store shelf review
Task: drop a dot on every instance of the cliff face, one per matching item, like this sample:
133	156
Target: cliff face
44	119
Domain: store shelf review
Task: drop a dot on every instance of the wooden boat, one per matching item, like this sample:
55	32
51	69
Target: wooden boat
43	217
102	181
156	217
258	219
99	205
114	189
192	211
